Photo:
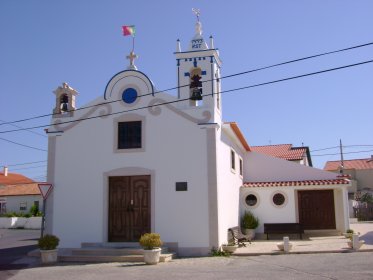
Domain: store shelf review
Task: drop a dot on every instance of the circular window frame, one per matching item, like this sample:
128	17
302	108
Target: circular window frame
246	195
137	100
285	197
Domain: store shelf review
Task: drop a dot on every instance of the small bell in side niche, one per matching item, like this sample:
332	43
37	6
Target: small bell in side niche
196	94
64	103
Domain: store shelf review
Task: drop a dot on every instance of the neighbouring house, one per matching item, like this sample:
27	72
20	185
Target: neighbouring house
360	172
137	160
299	155
18	193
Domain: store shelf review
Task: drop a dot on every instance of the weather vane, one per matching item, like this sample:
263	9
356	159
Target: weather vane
197	12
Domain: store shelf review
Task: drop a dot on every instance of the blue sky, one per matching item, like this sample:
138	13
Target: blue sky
45	43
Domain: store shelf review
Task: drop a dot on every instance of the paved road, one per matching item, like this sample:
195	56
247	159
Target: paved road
14	245
314	266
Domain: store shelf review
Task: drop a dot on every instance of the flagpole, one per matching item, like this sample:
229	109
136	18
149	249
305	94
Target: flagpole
133	43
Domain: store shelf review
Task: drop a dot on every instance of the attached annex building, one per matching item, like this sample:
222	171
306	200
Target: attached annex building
153	162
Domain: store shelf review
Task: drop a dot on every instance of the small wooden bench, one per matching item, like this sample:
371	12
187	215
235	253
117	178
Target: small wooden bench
282	228
238	237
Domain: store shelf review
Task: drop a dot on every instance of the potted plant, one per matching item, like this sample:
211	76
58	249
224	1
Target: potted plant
47	245
249	223
229	248
151	242
349	233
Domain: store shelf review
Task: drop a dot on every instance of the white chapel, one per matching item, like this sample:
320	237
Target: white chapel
136	160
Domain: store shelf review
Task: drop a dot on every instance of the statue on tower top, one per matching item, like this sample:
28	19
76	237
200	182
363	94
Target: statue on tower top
197	42
197	12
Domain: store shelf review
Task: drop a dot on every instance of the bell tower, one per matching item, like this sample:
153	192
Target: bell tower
65	101
198	73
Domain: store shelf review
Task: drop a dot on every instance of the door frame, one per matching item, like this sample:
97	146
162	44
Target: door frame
125	171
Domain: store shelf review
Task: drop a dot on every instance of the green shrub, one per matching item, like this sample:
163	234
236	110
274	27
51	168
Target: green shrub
219	253
249	221
34	210
150	241
48	242
350	230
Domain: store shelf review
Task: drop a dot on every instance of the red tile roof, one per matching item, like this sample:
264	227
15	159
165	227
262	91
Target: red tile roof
25	189
284	151
14	178
365	163
296	183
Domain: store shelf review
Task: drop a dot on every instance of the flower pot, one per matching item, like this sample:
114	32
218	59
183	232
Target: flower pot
280	246
361	243
229	248
152	256
48	256
249	232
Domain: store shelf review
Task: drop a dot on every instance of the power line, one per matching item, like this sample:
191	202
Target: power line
27	163
223	77
344	146
33	167
357	152
33	132
23	145
184	99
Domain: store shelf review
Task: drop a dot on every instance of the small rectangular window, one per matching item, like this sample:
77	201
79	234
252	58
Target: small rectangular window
129	135
233	160
241	166
23	206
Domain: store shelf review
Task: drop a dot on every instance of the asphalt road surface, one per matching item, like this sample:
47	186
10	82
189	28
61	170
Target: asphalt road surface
308	266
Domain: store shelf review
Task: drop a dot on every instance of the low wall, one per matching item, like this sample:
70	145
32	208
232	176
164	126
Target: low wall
20	222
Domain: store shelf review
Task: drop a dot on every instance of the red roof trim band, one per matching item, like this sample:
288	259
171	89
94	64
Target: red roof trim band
296	183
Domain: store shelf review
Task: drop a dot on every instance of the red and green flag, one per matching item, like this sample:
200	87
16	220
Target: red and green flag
128	30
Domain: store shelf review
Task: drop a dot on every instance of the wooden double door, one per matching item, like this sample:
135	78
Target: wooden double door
129	208
316	209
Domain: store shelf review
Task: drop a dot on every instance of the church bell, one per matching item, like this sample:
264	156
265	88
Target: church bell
196	94
64	107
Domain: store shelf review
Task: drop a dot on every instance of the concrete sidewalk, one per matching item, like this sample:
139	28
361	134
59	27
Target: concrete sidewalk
311	245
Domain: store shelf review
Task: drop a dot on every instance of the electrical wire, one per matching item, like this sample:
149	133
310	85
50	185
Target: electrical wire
33	167
345	146
23	145
345	153
33	132
26	163
223	77
184	99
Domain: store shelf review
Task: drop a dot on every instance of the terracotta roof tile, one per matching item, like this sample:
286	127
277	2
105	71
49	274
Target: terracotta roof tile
25	189
14	178
296	183
284	151
365	163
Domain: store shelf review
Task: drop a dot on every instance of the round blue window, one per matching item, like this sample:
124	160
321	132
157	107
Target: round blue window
129	95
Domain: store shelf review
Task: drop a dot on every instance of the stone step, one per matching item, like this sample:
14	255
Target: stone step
102	259
106	251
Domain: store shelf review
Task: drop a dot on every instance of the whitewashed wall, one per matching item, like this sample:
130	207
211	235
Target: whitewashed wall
229	183
174	151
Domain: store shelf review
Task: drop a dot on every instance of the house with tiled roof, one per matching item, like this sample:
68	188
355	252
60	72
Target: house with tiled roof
359	170
300	155
137	160
18	193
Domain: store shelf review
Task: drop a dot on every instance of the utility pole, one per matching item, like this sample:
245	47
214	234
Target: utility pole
341	150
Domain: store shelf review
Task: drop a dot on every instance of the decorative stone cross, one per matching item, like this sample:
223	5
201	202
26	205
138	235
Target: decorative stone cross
132	58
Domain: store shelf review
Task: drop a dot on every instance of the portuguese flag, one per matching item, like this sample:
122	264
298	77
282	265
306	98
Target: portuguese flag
128	30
